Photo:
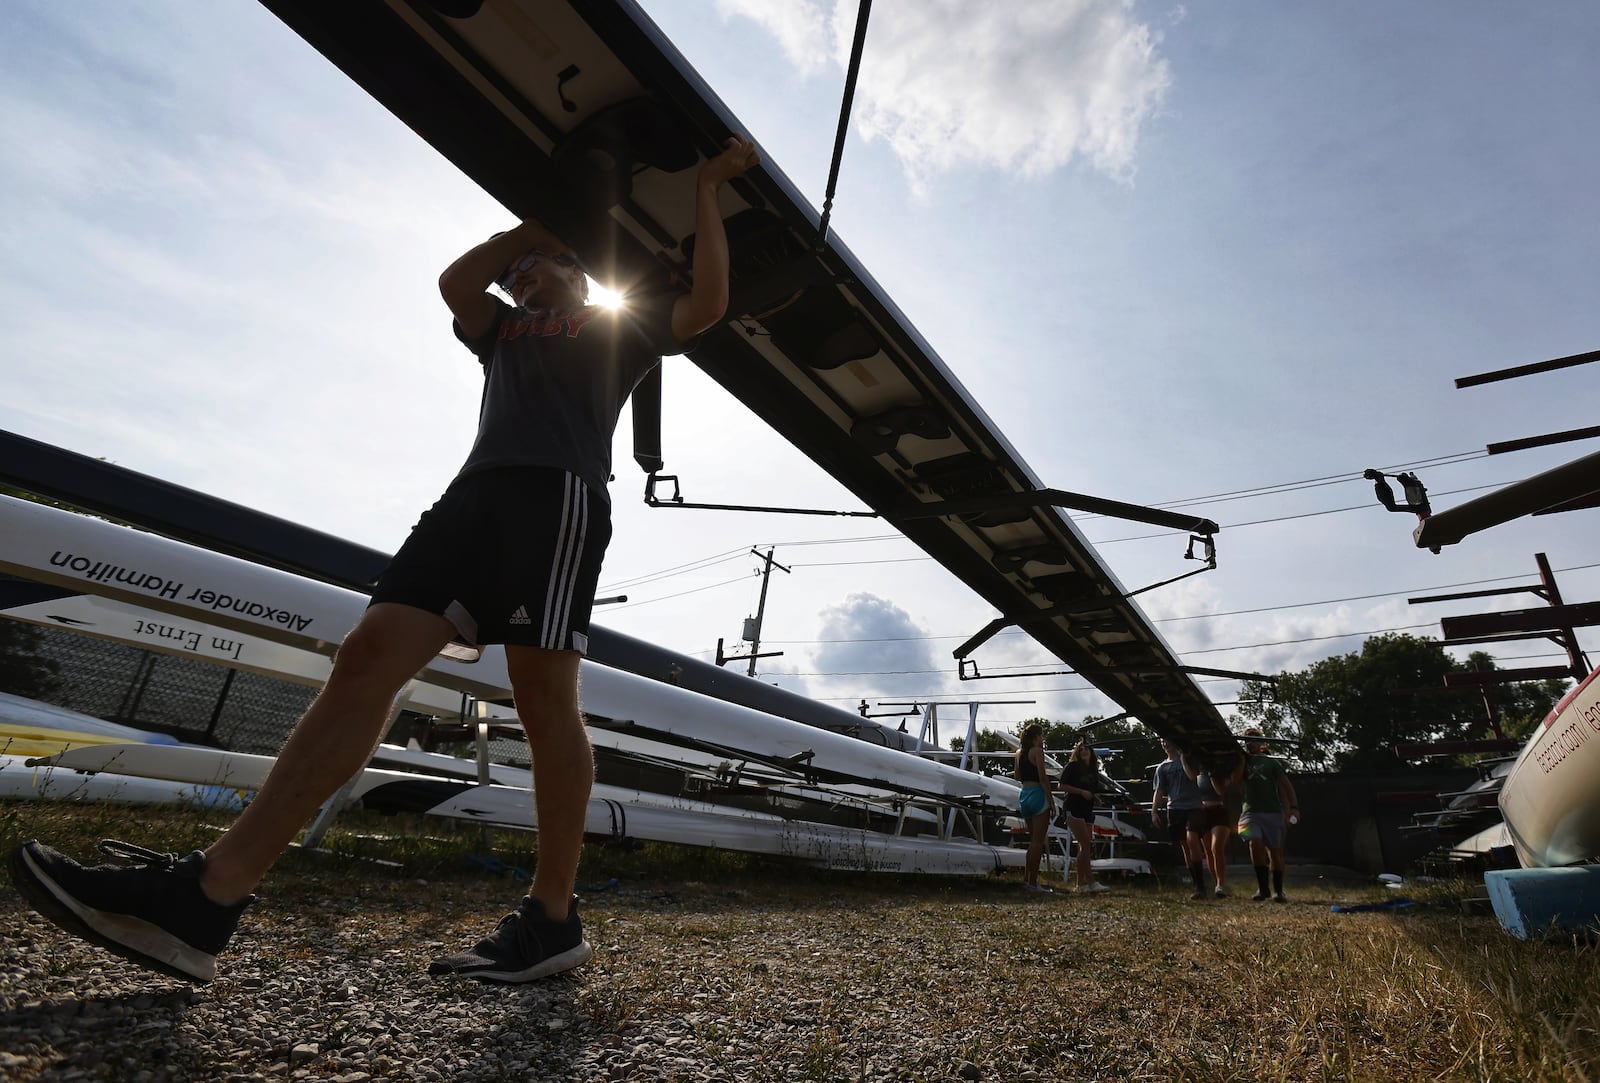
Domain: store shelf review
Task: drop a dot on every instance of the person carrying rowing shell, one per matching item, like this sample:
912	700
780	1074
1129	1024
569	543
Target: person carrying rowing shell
1176	799
509	555
1269	801
1212	826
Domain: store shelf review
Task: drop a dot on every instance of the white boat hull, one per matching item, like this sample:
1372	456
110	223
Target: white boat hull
612	811
152	572
19	780
1551	798
1490	838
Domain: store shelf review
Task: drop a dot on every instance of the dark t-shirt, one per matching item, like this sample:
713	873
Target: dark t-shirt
1182	793
1080	776
1261	774
555	382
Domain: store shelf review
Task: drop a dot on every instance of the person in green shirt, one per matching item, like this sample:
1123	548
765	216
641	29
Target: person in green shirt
1270	807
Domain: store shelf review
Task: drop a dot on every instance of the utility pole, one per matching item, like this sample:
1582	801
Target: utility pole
752	625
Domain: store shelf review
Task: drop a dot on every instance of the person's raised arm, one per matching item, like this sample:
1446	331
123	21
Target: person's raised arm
707	301
465	283
1234	777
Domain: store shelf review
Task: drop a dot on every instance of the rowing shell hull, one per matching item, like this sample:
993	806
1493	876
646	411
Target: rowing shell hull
613	811
631	747
20	781
121	622
657	818
172	577
1551	798
31	728
151	630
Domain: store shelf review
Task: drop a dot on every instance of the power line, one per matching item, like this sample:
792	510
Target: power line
677	569
1313	639
680	594
1143	537
1289	518
1001	671
1208	616
1327	479
1361	597
1237	494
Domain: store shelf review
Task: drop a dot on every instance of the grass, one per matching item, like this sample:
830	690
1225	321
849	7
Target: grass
825	973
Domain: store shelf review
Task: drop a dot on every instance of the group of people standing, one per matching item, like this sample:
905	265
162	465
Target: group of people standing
1200	806
1037	803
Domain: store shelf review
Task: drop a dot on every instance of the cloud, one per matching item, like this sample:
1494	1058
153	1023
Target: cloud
1020	87
802	29
866	634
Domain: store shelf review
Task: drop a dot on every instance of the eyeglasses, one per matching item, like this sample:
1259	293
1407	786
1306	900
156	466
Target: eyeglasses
527	262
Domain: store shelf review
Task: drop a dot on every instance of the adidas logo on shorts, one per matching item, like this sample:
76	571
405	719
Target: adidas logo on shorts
521	616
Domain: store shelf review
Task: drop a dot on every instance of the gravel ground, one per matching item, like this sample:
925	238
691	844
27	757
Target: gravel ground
696	984
799	977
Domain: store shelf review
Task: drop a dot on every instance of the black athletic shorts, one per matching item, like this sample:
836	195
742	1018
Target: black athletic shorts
1202	820
508	555
1177	822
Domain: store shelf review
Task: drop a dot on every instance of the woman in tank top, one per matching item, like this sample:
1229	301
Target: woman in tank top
1035	802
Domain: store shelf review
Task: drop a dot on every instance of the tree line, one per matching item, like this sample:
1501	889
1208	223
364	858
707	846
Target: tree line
1348	712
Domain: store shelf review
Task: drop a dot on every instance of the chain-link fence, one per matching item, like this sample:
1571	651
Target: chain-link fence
194	701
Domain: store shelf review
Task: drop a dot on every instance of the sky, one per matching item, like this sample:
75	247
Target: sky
1225	256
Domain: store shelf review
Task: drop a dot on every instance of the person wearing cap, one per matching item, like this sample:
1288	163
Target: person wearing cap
1269	799
509	555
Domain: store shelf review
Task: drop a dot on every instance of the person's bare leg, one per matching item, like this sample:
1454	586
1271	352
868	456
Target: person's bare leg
545	683
1195	858
1218	849
1030	871
1081	832
330	743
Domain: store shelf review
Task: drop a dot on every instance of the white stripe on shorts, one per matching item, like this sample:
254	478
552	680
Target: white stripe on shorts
565	562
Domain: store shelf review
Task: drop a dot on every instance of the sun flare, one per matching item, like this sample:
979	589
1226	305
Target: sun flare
605	298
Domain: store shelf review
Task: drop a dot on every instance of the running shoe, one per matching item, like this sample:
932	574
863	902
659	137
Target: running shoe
1280	897
1221	892
1260	896
1094	887
525	946
151	911
1040	888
